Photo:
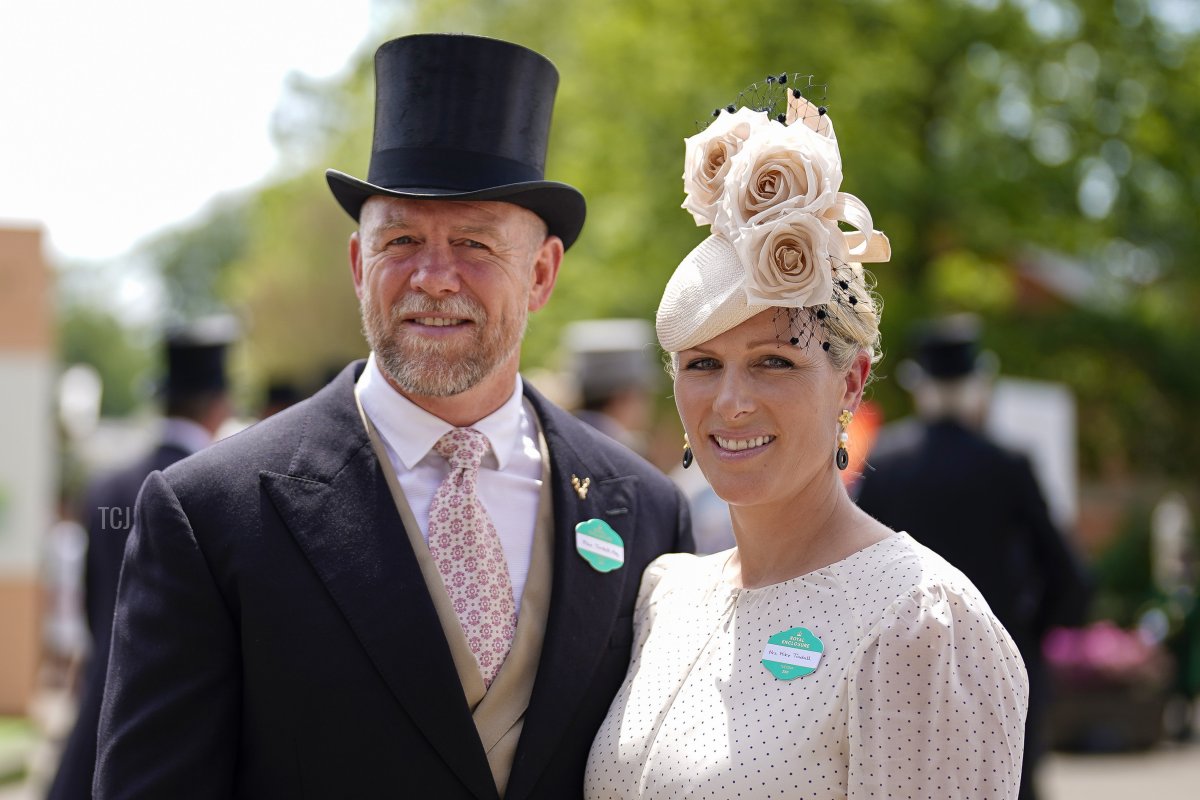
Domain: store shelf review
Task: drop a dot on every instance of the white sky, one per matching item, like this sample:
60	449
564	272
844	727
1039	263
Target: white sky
119	118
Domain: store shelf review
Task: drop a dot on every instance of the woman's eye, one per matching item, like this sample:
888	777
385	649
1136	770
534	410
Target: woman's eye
703	364
776	362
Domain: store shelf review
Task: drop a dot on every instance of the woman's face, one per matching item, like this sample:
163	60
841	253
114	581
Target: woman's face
760	412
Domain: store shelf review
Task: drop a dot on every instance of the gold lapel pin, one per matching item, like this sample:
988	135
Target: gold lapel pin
581	486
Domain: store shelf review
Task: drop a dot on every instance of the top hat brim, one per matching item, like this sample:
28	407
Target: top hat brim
560	206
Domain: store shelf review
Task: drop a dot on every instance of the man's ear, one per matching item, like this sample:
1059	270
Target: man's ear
356	267
545	271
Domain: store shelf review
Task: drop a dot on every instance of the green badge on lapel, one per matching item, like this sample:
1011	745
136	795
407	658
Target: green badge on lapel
792	654
600	545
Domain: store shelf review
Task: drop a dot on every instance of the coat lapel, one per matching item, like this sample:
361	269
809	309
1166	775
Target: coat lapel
336	503
584	603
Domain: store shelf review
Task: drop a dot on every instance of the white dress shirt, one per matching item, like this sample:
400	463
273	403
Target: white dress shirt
510	477
186	434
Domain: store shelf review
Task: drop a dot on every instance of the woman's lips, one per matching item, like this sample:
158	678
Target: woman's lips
742	443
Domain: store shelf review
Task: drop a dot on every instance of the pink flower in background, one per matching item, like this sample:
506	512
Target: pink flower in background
1103	652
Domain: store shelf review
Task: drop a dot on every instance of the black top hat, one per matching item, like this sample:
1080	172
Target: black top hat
196	356
463	118
948	348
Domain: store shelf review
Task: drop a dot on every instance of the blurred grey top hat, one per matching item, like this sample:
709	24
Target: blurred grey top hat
947	349
607	356
463	118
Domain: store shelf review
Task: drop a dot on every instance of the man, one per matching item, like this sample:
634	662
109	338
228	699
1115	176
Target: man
419	582
614	365
196	397
978	505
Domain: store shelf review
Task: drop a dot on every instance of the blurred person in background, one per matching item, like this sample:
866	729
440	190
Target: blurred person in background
614	366
196	403
280	395
939	477
825	656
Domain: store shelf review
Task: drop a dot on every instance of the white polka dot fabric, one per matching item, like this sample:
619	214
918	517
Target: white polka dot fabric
919	692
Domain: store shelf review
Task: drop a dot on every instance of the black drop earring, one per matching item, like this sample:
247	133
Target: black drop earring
842	457
687	452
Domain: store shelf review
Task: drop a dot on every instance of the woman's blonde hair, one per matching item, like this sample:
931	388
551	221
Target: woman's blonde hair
853	326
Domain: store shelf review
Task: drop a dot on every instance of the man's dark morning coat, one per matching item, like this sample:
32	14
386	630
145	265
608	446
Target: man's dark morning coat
274	636
108	512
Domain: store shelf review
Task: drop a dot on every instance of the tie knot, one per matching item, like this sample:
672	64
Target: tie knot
463	448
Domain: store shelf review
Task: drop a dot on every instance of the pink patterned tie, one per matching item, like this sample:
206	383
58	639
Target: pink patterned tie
468	554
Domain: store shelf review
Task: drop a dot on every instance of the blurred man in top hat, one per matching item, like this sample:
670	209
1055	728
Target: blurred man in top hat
280	395
418	582
196	402
940	478
614	366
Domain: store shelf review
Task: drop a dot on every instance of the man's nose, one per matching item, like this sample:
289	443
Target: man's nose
435	272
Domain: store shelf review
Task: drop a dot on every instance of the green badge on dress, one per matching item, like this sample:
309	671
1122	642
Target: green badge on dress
600	545
792	654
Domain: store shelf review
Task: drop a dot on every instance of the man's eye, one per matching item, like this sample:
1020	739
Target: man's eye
475	244
402	240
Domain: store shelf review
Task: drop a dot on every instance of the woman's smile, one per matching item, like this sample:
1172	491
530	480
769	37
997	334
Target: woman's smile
741	443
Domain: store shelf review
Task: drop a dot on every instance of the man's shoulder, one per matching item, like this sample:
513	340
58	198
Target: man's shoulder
265	446
898	439
303	439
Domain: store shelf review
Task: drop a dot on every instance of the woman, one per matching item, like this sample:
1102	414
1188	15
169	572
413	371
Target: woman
825	656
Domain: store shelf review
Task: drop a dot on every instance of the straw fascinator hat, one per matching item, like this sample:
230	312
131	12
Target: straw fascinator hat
769	189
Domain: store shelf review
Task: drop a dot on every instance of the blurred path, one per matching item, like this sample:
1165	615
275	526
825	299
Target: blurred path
1170	772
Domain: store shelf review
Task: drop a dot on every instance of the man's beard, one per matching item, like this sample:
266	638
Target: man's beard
430	367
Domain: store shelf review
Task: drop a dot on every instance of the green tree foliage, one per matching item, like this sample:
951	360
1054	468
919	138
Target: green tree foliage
1031	160
979	132
292	286
191	260
291	282
89	335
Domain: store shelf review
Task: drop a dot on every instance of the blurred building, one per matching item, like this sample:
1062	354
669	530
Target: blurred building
27	455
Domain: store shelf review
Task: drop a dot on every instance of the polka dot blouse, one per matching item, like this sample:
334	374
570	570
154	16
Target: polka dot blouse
918	691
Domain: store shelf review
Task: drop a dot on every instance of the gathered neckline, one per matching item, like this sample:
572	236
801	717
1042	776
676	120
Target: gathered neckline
720	570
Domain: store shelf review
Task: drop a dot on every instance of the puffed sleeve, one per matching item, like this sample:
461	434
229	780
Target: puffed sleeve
937	703
651	590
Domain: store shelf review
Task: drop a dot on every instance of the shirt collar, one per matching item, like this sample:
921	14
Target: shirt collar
411	431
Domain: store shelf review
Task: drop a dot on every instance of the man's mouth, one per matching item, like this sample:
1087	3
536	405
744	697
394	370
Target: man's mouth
439	322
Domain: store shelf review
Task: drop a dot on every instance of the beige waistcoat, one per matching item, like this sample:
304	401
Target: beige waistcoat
499	710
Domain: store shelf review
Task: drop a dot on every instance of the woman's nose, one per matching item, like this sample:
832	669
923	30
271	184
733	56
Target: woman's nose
734	396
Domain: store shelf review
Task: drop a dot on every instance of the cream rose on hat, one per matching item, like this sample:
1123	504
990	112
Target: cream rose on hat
788	262
779	169
770	192
707	158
